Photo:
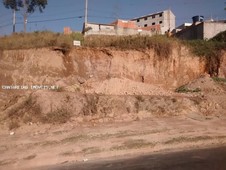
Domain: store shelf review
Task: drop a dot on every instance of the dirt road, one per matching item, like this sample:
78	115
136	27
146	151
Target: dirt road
35	145
200	159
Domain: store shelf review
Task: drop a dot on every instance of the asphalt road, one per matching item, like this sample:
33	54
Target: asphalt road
202	159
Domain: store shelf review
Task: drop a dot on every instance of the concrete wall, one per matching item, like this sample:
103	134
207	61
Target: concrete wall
165	19
149	20
125	24
102	29
99	29
191	33
204	30
213	28
169	21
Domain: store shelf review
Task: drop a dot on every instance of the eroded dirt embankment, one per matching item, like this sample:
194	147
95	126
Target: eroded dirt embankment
99	83
47	66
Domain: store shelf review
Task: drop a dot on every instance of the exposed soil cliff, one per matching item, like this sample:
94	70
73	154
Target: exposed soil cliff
37	84
46	66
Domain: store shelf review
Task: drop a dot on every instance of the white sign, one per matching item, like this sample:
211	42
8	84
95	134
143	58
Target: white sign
77	43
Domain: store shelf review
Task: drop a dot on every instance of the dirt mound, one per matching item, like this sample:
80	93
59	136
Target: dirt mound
59	107
206	84
211	90
116	86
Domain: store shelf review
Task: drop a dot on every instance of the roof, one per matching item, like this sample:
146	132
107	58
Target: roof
148	15
100	24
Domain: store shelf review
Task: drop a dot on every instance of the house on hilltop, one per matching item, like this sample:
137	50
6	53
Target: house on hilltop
119	27
201	29
166	20
156	23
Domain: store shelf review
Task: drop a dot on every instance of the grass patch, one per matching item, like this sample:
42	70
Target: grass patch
68	153
91	150
133	144
219	80
192	139
73	139
38	40
161	44
184	89
210	50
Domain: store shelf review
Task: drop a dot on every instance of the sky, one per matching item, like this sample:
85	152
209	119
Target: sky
61	13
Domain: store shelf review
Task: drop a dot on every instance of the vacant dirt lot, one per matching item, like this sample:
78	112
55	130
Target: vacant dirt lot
94	104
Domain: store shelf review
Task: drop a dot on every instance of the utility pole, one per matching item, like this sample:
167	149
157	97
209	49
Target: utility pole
25	15
86	11
14	20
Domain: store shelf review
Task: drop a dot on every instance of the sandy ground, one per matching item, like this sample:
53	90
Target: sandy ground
34	145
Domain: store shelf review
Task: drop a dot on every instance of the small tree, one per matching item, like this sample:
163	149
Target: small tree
25	6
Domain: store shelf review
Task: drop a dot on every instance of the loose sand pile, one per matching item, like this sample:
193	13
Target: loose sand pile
116	86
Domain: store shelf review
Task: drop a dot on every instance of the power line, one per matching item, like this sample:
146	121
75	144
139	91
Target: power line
2	26
49	20
68	12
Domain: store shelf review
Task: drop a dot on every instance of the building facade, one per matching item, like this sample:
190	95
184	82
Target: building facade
119	27
202	30
165	19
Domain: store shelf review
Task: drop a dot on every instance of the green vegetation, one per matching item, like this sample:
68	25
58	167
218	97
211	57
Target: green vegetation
133	144
25	7
182	139
160	43
184	89
219	80
210	50
221	37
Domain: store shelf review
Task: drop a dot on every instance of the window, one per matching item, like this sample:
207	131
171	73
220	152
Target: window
160	22
153	23
138	20
145	25
160	15
145	18
153	16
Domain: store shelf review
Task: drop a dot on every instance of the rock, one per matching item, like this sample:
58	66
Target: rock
85	160
12	133
81	80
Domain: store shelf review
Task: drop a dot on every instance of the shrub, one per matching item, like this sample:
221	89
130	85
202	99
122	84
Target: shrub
210	50
56	117
161	44
184	89
220	80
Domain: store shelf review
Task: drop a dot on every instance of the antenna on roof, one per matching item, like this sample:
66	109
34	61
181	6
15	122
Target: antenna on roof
211	17
116	11
86	11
